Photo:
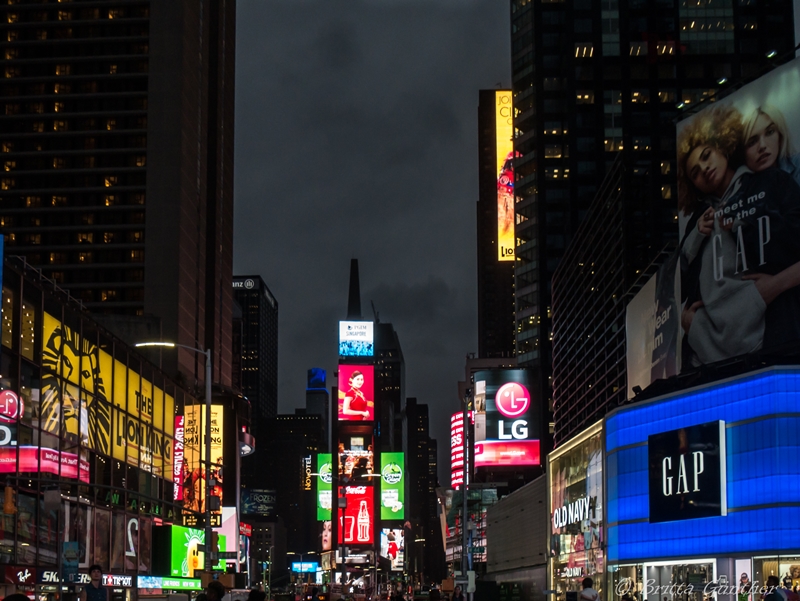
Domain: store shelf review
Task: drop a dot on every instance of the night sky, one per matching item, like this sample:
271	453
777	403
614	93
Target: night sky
356	137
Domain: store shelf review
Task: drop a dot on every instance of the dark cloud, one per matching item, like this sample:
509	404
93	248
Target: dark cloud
356	136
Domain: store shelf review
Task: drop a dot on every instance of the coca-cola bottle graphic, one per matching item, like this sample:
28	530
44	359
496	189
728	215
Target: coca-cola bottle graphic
363	523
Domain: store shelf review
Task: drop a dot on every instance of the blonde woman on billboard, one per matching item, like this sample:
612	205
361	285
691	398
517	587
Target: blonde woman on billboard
727	281
709	174
768	143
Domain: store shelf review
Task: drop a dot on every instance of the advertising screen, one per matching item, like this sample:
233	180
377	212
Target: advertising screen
258	501
393	547
185	557
739	230
177	463
652	328
356	459
392	486
305	566
324	480
356	523
84	392
356	393
356	338
504	134
194	455
511	417
457	450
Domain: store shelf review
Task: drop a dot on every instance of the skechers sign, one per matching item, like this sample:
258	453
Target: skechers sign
687	473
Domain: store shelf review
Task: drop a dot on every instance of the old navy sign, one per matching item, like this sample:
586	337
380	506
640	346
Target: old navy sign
574	512
686	473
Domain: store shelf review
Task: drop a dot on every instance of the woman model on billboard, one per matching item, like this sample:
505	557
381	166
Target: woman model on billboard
767	143
355	403
726	297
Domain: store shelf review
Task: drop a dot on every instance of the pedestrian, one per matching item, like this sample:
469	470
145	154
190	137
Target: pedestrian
215	590
256	595
588	593
457	594
94	591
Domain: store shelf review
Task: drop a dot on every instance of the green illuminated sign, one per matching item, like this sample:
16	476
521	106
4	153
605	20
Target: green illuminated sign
185	558
324	492
392	486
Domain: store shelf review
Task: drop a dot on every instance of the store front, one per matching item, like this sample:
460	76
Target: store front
576	513
702	493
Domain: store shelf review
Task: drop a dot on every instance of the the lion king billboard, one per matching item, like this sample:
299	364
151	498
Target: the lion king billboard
97	400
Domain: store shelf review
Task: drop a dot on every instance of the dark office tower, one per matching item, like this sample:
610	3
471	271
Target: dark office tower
593	80
390	383
117	145
259	358
318	398
495	222
420	450
592	285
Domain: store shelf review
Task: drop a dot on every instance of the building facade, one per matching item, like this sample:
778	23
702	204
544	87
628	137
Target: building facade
259	346
117	147
592	80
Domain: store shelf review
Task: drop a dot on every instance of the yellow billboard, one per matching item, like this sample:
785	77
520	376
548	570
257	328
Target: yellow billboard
90	396
194	450
504	134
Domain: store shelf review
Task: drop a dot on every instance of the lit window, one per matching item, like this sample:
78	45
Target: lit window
584	50
640	96
665	48
7	183
58	107
111	180
638	48
111	124
62	69
584	97
666	167
9	165
666	192
59	125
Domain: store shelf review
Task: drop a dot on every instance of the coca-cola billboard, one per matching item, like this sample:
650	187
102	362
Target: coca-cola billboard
356	523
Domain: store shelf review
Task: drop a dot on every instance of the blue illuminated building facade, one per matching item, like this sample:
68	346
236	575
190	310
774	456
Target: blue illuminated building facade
756	532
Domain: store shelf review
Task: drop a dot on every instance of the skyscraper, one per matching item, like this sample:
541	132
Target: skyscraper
117	146
495	189
592	80
259	352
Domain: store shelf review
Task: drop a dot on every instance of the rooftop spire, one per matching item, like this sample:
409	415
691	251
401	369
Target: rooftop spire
354	297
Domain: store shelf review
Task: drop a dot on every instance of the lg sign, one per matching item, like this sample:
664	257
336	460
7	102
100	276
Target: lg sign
512	401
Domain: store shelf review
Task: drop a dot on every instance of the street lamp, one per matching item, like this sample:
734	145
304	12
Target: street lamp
207	505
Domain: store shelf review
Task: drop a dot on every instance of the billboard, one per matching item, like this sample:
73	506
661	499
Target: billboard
92	399
738	177
503	403
356	338
393	547
324	480
194	448
185	557
652	328
504	134
357	519
393	486
356	393
258	501
457	450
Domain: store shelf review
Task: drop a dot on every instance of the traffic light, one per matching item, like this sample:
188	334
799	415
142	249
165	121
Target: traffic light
214	542
9	508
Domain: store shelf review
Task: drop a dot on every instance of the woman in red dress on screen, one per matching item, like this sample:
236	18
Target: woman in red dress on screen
355	403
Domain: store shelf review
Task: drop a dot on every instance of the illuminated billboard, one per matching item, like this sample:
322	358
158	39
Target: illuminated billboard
457	450
356	459
257	501
392	486
356	338
194	448
324	493
356	393
185	558
511	416
504	134
738	179
86	394
357	519
393	547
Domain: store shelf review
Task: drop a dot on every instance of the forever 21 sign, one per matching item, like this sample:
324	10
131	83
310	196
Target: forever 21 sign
687	473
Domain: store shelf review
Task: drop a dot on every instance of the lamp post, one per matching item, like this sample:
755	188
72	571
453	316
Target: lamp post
269	577
207	504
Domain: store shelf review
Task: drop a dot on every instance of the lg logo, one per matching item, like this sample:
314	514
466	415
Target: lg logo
512	401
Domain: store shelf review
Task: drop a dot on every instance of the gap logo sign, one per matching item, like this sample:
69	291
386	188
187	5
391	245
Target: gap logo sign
686	473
